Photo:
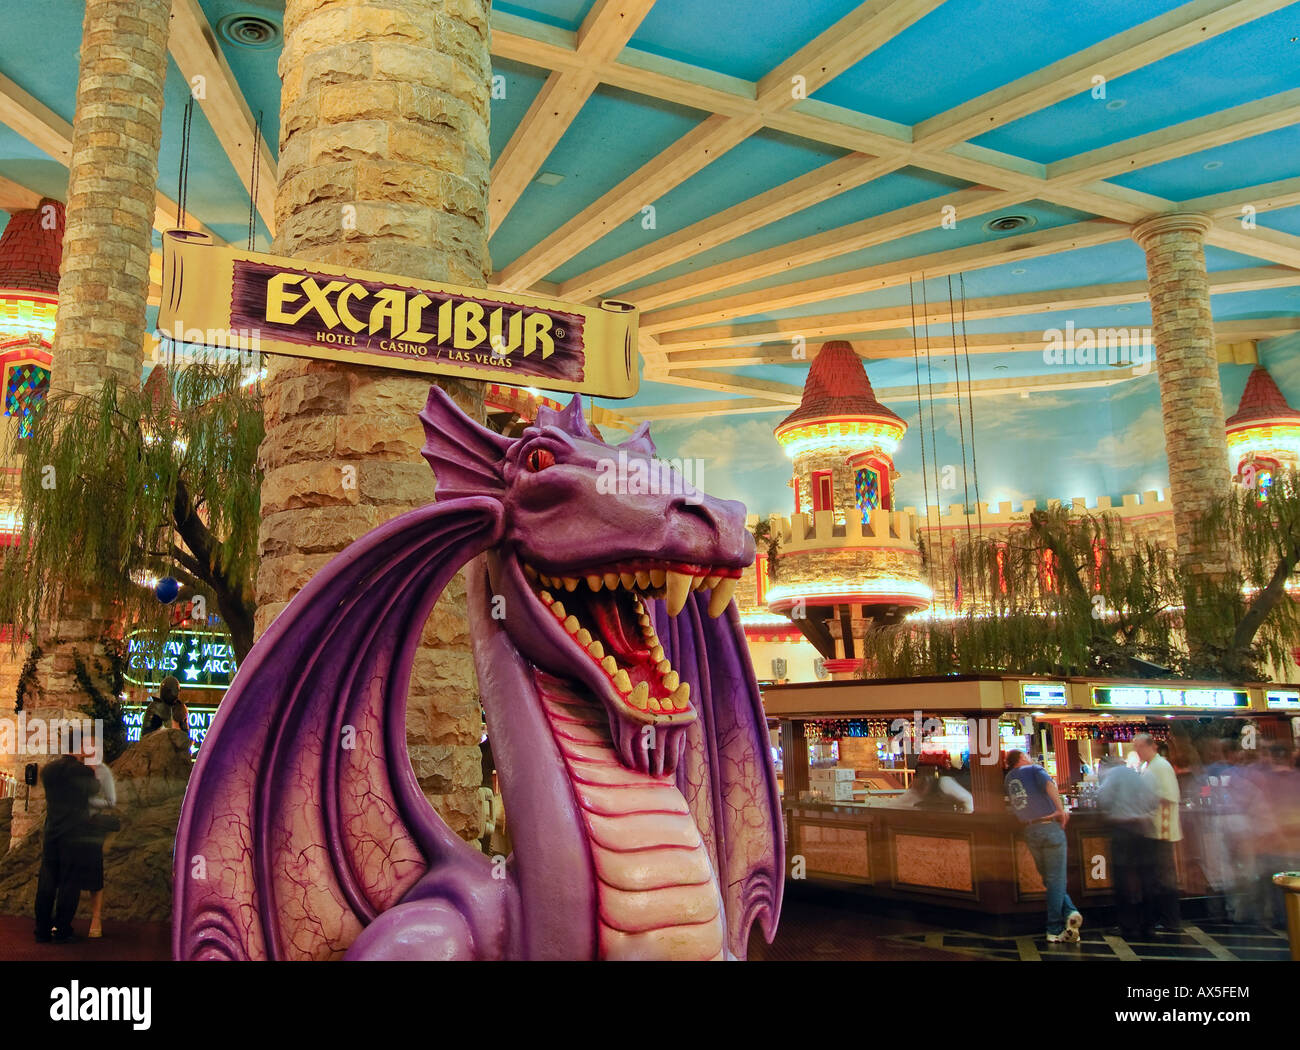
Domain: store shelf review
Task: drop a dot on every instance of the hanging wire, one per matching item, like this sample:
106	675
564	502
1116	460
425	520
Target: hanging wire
253	181
182	189
920	421
961	429
970	407
934	434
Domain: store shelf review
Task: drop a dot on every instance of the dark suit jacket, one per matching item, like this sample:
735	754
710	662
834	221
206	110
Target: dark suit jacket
68	787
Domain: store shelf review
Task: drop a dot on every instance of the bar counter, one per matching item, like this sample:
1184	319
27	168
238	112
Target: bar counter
976	861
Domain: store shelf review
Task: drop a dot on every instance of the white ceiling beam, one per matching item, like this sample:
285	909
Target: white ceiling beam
820	184
887	275
198	55
1269	196
883	319
1112	58
784	258
14	197
603	34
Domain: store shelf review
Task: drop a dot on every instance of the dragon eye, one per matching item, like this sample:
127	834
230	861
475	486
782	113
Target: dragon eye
540	459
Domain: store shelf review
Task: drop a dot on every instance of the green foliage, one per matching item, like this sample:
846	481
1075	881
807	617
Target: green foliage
131	484
1065	596
764	534
29	684
103	685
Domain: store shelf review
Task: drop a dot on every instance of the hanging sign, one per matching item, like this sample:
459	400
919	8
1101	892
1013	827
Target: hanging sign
197	659
227	298
1043	694
199	722
1282	700
1139	697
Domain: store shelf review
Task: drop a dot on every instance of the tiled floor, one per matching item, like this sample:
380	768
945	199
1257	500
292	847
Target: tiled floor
1201	941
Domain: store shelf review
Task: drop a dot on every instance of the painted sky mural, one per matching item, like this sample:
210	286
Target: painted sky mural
1050	445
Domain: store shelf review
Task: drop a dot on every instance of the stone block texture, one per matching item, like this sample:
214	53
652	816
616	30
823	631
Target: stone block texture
384	162
1188	369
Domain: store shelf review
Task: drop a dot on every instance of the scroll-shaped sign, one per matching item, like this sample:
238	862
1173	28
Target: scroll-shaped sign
229	298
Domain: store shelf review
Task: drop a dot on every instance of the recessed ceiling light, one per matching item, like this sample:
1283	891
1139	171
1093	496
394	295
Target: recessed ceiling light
249	30
1122	309
1018	270
999	368
1024	394
1116	103
1212	165
549	178
1007	223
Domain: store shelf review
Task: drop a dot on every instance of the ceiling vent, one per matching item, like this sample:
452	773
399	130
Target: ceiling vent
1008	223
245	30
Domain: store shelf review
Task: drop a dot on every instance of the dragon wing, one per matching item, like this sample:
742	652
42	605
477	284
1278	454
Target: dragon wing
303	819
726	773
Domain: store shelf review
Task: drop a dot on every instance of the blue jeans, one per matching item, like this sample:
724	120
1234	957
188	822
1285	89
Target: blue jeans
1047	846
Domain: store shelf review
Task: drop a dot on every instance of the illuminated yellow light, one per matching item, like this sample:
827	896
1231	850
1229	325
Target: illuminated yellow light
812	437
764	619
1277	437
23	312
862	588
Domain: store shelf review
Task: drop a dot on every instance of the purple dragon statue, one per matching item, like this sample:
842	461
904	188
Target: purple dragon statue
620	702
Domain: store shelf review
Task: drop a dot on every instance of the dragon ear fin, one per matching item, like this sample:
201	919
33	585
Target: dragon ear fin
640	441
569	419
466	457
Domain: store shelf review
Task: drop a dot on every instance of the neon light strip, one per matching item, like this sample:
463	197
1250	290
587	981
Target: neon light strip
866	588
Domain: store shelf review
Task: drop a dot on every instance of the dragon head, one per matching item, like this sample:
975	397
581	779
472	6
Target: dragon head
591	532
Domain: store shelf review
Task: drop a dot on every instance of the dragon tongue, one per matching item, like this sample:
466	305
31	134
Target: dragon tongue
609	622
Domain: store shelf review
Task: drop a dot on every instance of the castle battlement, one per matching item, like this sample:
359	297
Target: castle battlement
808	533
1000	515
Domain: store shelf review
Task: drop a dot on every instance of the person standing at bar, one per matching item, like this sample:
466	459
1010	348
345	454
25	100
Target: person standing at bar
1126	804
1037	805
1159	876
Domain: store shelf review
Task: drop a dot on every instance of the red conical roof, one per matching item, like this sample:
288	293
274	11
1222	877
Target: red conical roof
837	388
32	248
1261	400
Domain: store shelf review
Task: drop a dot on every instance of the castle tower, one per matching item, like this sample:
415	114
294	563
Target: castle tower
1263	434
29	295
848	559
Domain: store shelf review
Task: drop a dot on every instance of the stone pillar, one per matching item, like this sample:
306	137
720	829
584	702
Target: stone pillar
384	162
1188	368
104	282
112	186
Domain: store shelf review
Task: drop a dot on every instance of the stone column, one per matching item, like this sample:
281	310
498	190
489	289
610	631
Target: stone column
104	282
1188	369
384	162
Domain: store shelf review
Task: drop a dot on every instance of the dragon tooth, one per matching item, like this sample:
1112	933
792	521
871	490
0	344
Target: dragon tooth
643	619
570	583
663	667
597	650
628	580
656	653
595	582
609	666
671	681
712	582
622	682
583	637
722	596
530	572
657	577
697	582
571	625
643	579
679	586
558	609
640	696
654	705
611	580
682	696
547	597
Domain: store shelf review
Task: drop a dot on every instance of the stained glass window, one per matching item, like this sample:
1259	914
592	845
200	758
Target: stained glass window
866	485
25	388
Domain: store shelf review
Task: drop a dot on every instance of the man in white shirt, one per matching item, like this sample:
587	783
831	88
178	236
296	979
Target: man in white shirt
1158	875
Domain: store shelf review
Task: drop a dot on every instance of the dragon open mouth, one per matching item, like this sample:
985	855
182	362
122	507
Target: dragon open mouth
603	611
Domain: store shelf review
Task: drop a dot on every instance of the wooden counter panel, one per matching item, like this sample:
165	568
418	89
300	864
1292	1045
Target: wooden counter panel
933	862
833	849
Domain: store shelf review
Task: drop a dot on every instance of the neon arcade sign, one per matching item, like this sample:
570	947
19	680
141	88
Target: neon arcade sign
200	721
198	659
1139	697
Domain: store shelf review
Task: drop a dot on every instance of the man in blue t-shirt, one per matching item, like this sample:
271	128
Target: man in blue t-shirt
1037	804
